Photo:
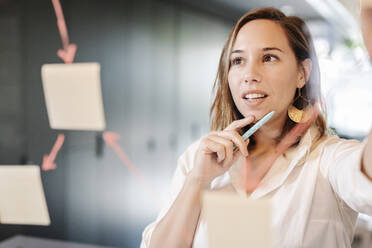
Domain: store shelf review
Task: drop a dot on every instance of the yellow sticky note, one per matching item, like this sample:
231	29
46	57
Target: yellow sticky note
22	196
73	96
236	221
366	3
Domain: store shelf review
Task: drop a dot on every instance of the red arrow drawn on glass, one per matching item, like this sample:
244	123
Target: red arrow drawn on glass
251	178
67	54
111	139
48	160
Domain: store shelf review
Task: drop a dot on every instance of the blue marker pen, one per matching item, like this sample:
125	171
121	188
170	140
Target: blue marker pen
256	126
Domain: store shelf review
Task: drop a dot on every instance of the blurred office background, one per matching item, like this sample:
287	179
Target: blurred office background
158	63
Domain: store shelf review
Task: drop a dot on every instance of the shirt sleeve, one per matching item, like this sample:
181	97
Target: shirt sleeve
184	166
344	161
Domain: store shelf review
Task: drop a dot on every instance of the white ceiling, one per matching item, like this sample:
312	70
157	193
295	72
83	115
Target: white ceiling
296	7
334	12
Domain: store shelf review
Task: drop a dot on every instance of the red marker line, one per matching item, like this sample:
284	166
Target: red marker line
67	54
48	160
111	139
251	179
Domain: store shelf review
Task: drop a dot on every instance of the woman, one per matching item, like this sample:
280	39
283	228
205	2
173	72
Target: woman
317	186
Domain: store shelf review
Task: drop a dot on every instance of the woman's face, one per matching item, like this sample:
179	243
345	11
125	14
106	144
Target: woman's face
264	73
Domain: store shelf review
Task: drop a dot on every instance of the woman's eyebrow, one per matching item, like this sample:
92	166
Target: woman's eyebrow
263	49
271	48
237	51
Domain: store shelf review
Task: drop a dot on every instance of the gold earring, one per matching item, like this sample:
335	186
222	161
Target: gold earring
294	113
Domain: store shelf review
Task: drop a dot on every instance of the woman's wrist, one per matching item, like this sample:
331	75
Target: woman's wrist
198	182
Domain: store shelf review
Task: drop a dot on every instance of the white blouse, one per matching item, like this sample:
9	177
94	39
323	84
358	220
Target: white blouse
316	191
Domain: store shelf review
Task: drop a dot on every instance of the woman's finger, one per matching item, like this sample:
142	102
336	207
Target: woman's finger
228	144
236	154
235	137
210	146
235	125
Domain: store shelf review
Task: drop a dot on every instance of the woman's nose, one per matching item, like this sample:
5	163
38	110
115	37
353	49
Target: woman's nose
251	74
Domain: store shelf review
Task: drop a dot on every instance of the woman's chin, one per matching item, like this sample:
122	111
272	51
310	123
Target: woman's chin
258	114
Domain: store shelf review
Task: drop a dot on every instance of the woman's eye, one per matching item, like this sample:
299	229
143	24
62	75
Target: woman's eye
236	61
269	58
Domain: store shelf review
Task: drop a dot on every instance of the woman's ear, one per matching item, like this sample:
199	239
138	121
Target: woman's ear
306	67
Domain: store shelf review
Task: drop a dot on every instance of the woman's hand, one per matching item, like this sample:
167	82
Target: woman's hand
215	154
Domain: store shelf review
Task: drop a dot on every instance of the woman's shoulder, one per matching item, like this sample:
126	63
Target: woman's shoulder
333	145
318	143
332	150
333	141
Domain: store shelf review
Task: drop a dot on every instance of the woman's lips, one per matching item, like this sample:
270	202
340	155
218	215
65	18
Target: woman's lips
255	101
253	93
254	97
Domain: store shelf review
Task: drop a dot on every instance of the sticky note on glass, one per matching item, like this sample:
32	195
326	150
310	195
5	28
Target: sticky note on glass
236	221
22	196
73	96
366	3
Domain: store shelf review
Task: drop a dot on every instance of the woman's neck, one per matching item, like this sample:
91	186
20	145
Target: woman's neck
266	137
